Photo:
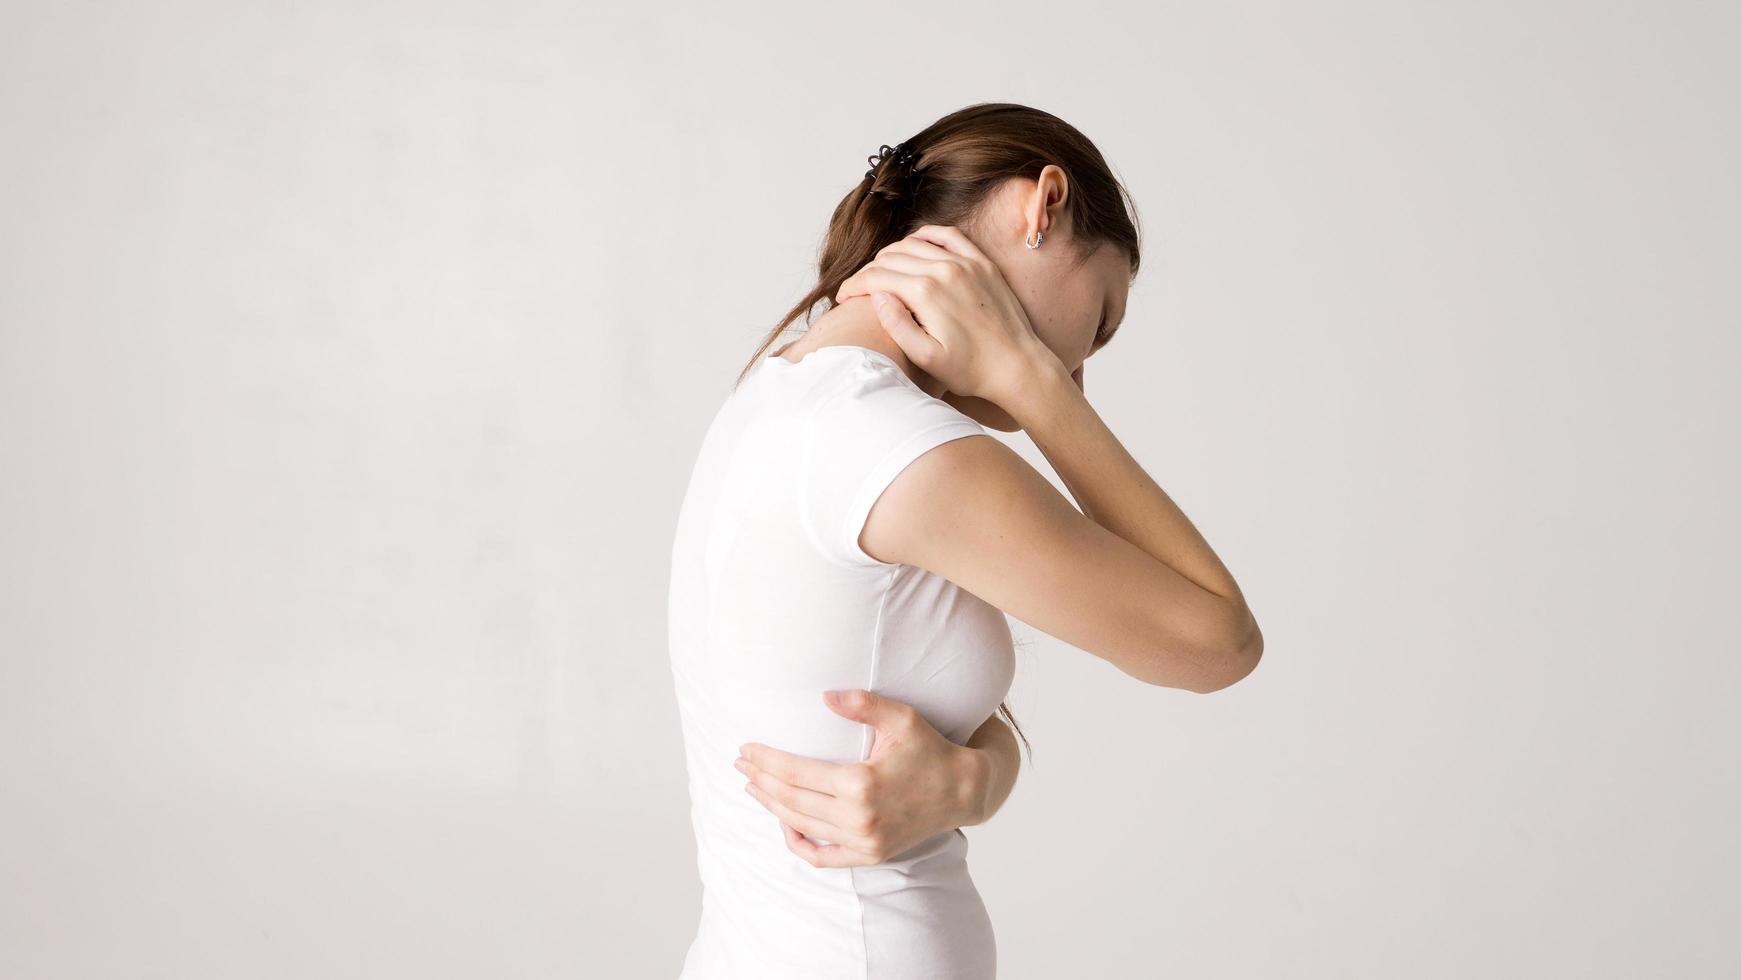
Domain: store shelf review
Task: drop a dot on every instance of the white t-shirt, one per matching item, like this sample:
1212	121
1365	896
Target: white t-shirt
772	602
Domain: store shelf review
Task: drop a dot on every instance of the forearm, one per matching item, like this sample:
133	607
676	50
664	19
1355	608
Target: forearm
1109	486
994	763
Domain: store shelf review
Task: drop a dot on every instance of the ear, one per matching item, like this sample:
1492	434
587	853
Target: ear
1052	187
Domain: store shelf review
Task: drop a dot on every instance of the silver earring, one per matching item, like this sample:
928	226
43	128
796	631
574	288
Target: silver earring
1039	236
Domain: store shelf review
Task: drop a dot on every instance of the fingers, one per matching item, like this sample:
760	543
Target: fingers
798	770
858	283
897	321
822	806
914	256
811	826
829	791
905	262
875	276
951	238
823	855
918	248
865	706
836	783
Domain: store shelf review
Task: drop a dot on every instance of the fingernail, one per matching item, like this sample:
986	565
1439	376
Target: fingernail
742	766
832	697
879	299
750	788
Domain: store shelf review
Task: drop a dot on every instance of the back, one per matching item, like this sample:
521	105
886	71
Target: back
772	602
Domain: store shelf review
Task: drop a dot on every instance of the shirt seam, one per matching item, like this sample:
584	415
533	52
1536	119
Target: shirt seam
876	645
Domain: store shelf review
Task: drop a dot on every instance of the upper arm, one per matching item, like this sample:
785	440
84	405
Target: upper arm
976	513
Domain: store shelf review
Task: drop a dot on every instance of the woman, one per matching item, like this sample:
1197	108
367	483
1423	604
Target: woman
851	526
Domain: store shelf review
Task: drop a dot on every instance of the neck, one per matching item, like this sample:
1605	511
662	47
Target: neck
854	322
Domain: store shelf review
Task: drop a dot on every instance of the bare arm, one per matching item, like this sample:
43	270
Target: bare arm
995	760
1135	583
1115	492
1127	577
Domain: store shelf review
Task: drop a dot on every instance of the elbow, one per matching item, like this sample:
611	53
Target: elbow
1238	658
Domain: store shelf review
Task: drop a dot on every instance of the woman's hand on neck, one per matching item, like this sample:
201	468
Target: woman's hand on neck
854	322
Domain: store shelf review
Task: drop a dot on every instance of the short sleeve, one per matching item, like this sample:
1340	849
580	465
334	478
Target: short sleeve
857	443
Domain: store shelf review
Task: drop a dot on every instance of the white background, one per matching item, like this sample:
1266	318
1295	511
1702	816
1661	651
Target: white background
353	358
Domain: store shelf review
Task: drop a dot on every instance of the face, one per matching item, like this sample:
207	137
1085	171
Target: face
1074	307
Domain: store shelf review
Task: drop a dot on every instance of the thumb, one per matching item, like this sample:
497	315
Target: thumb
898	322
858	704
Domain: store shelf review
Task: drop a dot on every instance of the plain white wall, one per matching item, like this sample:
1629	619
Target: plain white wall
353	358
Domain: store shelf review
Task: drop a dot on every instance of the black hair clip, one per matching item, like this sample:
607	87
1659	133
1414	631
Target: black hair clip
903	155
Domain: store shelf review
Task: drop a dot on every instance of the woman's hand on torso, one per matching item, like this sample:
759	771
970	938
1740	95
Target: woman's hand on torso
915	785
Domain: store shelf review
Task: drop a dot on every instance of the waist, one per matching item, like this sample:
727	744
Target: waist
921	918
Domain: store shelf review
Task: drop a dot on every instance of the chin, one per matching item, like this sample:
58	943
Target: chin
984	412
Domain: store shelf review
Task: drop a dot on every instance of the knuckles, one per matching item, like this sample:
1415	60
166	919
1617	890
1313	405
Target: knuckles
861	783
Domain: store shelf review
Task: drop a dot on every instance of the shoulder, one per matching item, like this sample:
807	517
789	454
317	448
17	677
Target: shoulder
871	427
948	497
872	402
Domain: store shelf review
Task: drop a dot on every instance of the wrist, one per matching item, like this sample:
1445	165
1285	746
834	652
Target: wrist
973	785
1037	383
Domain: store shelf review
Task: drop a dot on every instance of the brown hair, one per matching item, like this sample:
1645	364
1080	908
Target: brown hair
958	161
